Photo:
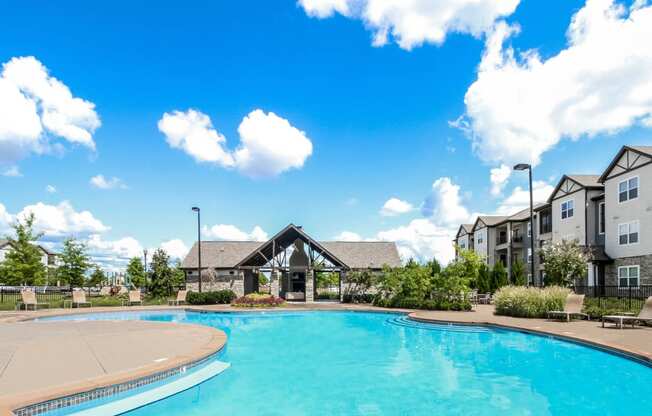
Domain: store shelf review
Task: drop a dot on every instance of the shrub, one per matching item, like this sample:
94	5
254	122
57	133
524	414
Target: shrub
596	307
358	298
211	298
460	303
529	302
258	300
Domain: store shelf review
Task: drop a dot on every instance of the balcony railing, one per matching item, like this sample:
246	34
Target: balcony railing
501	240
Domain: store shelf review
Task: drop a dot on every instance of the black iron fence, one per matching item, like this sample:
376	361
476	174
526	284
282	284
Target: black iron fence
628	298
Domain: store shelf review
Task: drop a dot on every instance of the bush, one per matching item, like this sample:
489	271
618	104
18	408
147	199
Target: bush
437	304
328	296
596	308
358	298
258	300
211	298
529	302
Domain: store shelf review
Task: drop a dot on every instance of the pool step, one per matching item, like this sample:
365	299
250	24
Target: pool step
409	323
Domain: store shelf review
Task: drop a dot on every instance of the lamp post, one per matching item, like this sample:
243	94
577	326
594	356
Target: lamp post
145	264
528	167
198	211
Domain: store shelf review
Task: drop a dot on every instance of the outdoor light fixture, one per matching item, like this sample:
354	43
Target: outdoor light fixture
528	167
198	211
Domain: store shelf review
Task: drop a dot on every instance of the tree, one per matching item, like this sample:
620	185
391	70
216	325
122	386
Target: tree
483	283
178	275
136	272
466	266
564	262
161	280
498	276
262	280
518	273
22	264
98	277
74	263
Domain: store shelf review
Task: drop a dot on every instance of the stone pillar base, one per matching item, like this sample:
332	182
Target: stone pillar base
274	283
310	286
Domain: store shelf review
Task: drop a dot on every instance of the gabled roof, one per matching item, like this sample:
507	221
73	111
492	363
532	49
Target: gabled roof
640	150
219	254
365	254
4	243
464	229
489	220
522	215
583	181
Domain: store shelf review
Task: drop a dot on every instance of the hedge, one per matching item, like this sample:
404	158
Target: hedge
441	304
211	298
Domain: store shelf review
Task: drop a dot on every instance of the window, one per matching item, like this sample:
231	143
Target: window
529	255
463	246
601	217
628	276
628	189
567	209
546	222
479	237
628	233
529	229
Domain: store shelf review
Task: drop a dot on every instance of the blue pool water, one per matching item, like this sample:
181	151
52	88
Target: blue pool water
345	363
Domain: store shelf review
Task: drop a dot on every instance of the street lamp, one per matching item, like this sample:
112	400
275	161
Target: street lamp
197	210
528	167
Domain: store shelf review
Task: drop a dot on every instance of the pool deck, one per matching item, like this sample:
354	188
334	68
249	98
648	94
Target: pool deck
40	361
44	360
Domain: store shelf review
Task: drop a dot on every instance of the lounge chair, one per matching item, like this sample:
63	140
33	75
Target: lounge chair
122	290
105	291
572	307
645	315
134	298
79	299
29	299
181	298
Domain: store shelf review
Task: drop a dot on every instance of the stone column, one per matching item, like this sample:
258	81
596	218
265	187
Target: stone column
342	283
310	286
275	280
238	283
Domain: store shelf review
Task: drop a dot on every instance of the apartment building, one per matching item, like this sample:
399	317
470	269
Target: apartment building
464	238
608	214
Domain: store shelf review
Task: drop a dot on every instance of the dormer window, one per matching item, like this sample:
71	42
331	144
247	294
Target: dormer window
628	189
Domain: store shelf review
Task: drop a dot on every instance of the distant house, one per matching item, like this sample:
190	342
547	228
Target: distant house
48	258
291	258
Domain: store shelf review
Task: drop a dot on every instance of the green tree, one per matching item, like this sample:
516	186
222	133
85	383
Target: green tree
498	276
22	264
74	263
262	280
136	272
326	279
434	266
178	275
564	262
161	280
484	279
98	277
518	273
466	266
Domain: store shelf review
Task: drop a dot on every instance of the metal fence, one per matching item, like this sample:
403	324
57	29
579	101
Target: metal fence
631	297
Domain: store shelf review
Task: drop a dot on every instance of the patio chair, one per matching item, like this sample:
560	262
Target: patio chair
29	299
572	307
181	298
105	291
122	290
134	298
645	315
79	299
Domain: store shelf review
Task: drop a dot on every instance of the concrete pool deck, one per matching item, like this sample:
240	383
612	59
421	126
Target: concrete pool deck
41	361
76	356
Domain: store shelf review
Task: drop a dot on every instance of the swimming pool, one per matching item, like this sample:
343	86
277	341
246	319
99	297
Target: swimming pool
355	363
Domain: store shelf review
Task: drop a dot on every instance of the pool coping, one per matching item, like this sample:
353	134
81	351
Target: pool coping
33	402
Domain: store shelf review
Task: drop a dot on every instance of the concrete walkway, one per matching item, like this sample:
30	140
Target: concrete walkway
635	341
44	360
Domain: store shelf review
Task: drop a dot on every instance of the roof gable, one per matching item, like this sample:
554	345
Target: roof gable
627	159
569	184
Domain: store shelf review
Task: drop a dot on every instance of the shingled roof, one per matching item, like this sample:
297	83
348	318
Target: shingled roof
356	254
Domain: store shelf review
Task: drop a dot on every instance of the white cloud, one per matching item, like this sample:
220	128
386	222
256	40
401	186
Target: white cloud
499	177
62	220
519	199
269	144
394	207
5	221
422	240
112	254
348	236
50	189
36	107
175	248
100	182
521	106
444	204
233	233
411	23
12	172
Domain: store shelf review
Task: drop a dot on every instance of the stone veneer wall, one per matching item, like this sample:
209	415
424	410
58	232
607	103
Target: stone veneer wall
645	263
220	281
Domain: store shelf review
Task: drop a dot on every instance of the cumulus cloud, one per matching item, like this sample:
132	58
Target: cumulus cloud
12	172
36	108
233	233
394	207
444	204
499	177
62	220
519	199
112	254
100	182
50	189
522	105
269	144
175	248
348	236
411	23
422	240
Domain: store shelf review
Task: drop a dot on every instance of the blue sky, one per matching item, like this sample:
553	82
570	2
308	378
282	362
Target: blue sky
354	123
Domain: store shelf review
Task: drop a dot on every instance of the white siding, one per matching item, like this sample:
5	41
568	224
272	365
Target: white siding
569	228
480	241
